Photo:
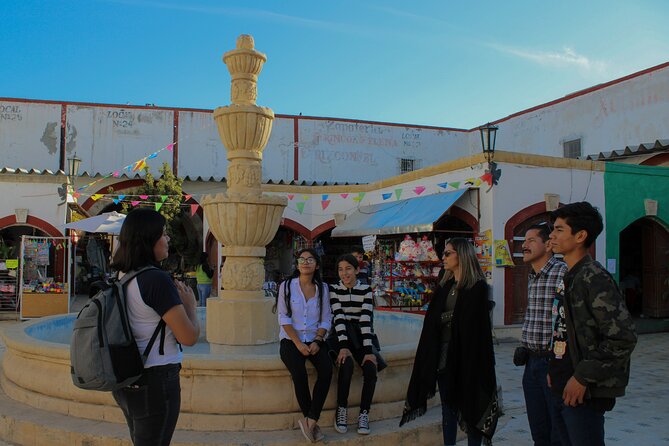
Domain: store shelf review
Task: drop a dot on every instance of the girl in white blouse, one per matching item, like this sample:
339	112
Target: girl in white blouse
303	307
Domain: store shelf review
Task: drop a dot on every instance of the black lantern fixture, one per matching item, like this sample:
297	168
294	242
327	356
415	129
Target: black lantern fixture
73	166
488	137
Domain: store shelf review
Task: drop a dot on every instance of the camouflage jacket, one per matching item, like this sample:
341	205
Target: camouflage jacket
600	329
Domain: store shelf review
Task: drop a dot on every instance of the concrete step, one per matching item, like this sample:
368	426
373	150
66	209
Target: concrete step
25	425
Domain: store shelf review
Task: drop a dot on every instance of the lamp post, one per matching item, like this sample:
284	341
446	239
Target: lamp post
73	167
488	137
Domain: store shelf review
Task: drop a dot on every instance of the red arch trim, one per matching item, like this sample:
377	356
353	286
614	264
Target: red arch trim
303	231
35	222
126	184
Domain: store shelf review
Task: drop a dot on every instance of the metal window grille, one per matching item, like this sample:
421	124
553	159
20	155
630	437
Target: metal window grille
407	165
572	149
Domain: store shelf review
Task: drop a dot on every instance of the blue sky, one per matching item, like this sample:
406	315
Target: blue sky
436	62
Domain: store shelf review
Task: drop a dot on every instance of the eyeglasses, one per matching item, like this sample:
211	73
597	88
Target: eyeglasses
448	253
306	260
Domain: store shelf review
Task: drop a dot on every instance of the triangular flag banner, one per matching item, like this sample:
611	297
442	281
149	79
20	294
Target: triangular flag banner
135	203
291	196
96	197
455	185
121	197
361	195
443	185
305	197
477	182
170	147
300	207
152	156
116	200
398	193
325	204
187	197
76	195
163	198
357	199
386	196
193	209
419	190
324	197
158	206
116	173
469	181
128	167
143	197
139	165
344	195
487	178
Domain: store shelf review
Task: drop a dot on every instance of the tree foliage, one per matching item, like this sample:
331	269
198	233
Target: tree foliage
167	193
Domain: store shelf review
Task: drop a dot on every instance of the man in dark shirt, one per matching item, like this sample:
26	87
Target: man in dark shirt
593	333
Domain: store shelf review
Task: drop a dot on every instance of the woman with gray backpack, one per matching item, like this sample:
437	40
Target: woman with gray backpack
155	303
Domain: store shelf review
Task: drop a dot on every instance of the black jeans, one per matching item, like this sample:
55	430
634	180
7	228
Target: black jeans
368	383
151	405
296	364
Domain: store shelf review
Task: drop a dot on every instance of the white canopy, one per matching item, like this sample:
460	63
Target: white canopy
109	223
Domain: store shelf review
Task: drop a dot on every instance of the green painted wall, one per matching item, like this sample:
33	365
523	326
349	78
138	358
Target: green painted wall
626	186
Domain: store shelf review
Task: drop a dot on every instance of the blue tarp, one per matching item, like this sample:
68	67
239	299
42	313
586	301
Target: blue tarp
411	215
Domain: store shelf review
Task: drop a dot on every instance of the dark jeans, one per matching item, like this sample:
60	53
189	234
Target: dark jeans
151	405
368	381
296	364
578	426
449	420
538	402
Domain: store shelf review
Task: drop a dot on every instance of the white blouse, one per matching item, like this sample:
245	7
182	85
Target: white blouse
305	313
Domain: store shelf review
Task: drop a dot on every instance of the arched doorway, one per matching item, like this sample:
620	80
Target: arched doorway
515	278
644	267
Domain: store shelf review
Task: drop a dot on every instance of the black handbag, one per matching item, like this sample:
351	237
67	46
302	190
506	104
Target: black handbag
354	335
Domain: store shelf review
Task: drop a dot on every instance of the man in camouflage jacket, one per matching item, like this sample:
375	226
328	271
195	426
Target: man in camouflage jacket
593	336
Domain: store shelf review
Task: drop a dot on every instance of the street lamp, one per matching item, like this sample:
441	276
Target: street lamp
73	167
488	137
72	171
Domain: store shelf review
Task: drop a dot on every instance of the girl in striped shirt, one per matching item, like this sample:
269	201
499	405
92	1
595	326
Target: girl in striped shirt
352	307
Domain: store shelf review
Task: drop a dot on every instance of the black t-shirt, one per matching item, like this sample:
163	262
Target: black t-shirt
560	368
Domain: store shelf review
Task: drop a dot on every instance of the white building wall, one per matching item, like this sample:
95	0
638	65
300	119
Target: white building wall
39	196
110	138
358	152
627	113
30	135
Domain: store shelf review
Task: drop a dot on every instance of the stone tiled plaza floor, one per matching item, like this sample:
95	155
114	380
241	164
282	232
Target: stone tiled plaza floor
639	418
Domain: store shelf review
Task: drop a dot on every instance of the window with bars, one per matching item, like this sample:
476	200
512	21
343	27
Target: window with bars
408	165
572	149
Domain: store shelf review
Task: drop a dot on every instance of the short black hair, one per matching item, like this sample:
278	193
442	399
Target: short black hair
544	230
581	216
358	249
141	229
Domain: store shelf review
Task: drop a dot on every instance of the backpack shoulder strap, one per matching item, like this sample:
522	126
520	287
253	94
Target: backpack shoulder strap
160	329
134	273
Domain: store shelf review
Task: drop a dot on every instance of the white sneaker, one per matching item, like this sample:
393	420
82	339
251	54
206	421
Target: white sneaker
363	423
341	420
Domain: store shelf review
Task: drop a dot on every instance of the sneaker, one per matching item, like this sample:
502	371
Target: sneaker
341	420
304	427
363	423
318	435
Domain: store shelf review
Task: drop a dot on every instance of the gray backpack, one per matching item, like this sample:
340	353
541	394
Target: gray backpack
103	353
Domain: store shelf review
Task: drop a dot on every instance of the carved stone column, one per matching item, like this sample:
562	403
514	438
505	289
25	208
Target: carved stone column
242	218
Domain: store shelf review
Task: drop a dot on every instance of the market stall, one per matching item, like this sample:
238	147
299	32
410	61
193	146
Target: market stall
401	239
43	273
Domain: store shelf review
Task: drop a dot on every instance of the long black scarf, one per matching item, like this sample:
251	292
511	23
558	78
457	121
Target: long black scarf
471	387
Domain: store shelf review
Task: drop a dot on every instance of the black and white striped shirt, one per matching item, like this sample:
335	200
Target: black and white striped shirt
355	306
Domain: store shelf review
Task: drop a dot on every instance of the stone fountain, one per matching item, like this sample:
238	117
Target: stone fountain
235	389
242	218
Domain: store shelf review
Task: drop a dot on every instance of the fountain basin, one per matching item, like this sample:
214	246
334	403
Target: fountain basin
237	388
